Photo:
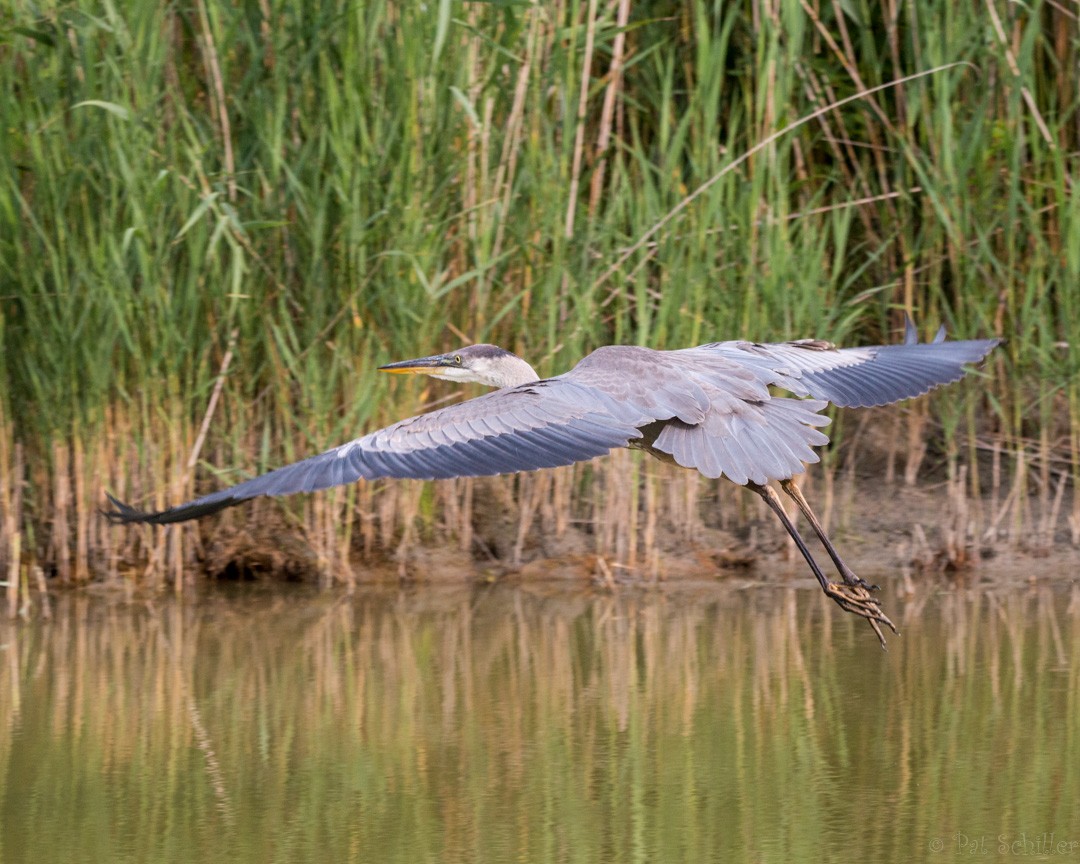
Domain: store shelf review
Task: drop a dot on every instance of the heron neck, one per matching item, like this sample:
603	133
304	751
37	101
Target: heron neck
513	371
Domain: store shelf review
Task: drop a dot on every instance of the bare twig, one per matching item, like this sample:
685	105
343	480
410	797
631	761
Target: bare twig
210	407
1014	67
607	112
214	70
579	134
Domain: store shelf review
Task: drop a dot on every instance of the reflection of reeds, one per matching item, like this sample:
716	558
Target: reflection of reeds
371	182
535	723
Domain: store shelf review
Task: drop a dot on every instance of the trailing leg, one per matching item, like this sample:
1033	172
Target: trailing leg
856	598
849	576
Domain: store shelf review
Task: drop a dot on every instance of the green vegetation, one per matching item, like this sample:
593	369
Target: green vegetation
260	202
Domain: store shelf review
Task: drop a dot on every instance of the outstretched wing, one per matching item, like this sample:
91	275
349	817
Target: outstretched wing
543	424
760	437
858	377
707	408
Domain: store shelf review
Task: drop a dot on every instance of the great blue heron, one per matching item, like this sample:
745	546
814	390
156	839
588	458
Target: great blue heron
708	408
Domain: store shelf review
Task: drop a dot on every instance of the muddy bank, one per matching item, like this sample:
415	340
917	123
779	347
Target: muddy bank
883	532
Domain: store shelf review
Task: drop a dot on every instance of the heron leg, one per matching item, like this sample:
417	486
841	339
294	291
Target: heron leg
772	499
849	576
856	599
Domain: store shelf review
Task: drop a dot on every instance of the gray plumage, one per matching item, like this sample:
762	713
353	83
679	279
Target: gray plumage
709	408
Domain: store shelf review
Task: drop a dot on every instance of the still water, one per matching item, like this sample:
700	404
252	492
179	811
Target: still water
541	723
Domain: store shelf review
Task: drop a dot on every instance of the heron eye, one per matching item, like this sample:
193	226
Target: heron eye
457	359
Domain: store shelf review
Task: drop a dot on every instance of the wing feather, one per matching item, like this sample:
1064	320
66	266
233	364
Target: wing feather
856	377
539	425
708	407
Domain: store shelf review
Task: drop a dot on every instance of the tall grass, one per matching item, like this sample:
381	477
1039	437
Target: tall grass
312	189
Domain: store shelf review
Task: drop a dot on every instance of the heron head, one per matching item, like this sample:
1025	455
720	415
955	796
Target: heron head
483	364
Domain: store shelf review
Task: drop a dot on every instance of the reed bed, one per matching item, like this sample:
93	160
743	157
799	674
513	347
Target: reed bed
217	219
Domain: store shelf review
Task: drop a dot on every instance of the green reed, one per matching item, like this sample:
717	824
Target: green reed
326	186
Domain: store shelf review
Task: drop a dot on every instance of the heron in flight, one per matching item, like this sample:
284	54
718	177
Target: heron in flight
708	408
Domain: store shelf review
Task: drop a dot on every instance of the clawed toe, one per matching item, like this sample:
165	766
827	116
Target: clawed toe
858	600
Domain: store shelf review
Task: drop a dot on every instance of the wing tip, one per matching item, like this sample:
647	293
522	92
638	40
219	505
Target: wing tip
125	514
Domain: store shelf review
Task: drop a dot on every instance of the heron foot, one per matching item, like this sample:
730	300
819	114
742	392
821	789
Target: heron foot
858	600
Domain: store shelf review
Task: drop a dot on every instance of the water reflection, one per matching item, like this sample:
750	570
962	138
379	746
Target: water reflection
537	724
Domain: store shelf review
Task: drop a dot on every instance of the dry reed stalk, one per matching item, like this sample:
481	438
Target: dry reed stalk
332	528
614	517
603	573
562	485
448	506
338	537
634	522
596	503
533	489
174	539
1014	68
1045	530
956	524
503	187
11	495
365	512
892	35
14	552
386	507
102	540
82	514
844	502
607	110
346	539
688	487
60	539
579	131
152	541
217	95
502	490
820	94
1000	513
470	188
841	145
650	549
827	470
468	485
1019	495
879	151
846	56
316	523
127	470
112	459
211	407
917	417
995	490
408	509
1055	511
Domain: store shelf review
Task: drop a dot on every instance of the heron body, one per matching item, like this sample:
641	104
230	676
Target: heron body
711	408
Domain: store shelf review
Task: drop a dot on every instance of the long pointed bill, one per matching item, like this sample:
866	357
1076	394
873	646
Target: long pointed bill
419	366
